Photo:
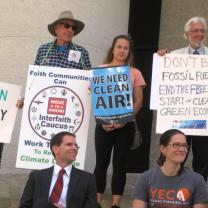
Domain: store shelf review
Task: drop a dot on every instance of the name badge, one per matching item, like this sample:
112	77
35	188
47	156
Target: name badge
74	56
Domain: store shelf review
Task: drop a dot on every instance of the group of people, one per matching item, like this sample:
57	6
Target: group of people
116	137
170	184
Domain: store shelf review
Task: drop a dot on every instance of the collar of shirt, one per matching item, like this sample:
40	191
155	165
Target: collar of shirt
61	48
67	169
68	46
200	50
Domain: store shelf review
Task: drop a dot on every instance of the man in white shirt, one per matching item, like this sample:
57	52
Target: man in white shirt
195	34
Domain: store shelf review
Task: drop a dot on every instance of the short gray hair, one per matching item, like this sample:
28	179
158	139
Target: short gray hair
191	21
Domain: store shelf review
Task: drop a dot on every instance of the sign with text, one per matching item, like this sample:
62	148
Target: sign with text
9	95
154	96
56	99
183	94
112	94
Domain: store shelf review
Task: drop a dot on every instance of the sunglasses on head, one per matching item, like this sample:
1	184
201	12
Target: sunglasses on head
67	26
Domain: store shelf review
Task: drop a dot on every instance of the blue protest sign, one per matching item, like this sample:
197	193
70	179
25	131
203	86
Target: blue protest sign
112	94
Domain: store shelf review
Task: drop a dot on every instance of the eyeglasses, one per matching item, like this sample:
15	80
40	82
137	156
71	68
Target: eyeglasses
198	30
67	26
178	146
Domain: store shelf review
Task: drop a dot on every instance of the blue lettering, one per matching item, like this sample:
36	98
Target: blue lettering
33	144
3	94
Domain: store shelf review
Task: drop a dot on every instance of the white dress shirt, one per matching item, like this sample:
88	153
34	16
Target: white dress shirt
66	179
200	50
203	50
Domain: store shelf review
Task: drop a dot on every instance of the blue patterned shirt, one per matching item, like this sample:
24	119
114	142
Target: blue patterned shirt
49	55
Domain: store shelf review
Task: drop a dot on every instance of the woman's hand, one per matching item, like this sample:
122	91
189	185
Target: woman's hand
114	126
119	125
108	127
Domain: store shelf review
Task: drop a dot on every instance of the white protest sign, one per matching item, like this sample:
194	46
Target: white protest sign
155	81
56	99
183	94
9	95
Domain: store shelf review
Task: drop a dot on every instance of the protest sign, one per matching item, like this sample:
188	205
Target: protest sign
56	99
154	96
9	95
112	95
183	94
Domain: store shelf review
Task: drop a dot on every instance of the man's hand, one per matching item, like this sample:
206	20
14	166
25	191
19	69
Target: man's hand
162	52
20	103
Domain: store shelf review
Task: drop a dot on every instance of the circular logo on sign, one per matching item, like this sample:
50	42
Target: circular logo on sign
55	109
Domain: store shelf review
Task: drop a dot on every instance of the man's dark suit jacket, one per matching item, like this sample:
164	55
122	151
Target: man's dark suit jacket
81	191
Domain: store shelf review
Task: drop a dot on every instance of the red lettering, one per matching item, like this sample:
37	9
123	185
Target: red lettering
161	194
153	193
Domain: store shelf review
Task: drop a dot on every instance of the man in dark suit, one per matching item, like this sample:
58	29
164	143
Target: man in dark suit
78	188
